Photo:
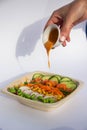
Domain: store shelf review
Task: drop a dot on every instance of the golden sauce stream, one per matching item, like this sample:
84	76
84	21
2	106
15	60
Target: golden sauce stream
50	43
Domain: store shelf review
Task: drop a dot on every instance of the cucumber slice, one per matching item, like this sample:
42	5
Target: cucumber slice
46	77
70	85
58	77
65	79
37	75
54	78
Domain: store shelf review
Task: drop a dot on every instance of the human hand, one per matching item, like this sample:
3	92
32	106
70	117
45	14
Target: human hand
68	16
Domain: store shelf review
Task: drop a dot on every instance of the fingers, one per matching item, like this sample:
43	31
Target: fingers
65	29
54	19
64	23
64	44
65	32
68	16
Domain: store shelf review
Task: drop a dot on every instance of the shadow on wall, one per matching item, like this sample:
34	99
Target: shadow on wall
28	38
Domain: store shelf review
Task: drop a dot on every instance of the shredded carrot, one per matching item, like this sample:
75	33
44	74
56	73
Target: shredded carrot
64	87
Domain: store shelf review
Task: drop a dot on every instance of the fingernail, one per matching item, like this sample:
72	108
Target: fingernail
62	38
63	45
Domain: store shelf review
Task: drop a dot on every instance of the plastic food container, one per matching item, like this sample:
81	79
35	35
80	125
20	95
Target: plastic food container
36	104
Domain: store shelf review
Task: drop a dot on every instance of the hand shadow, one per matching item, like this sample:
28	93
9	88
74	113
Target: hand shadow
28	38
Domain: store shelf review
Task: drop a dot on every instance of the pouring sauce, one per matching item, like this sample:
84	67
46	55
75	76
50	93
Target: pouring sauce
51	41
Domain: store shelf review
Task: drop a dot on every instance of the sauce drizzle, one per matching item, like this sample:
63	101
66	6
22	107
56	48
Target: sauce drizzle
50	43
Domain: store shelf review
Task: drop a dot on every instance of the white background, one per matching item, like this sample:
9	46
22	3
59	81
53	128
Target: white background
22	51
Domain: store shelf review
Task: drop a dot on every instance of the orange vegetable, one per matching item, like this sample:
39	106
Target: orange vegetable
46	87
63	87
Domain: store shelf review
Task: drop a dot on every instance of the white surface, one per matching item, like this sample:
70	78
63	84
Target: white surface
21	51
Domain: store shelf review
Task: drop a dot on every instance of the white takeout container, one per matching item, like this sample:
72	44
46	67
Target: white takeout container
37	104
45	35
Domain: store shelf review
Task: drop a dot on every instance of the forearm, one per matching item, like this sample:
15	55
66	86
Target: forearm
78	10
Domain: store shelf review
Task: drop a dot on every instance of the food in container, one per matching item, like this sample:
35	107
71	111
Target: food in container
42	90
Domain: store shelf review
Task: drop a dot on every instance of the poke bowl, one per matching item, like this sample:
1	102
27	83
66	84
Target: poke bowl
42	90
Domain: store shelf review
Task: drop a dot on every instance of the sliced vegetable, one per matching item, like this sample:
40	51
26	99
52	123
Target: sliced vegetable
25	82
12	90
26	95
51	100
33	97
40	98
65	79
59	78
54	78
70	85
37	75
46	77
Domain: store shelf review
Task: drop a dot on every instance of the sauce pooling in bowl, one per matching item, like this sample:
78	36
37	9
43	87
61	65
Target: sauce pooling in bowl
53	36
